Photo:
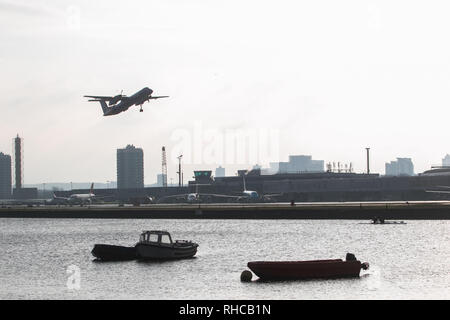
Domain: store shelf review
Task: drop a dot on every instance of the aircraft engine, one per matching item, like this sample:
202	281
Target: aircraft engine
115	99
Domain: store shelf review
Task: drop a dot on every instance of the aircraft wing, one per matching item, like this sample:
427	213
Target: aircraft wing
98	98
273	195
179	196
158	97
59	198
219	195
102	197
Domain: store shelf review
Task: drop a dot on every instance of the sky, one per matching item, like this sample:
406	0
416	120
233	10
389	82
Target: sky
249	82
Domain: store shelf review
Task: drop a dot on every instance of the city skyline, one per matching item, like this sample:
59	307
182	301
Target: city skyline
369	82
272	168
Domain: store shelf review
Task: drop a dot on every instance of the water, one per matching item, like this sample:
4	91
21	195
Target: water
406	261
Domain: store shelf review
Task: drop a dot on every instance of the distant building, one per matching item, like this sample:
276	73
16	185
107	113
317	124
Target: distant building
18	162
160	180
297	164
5	176
203	176
256	167
401	167
25	193
446	161
130	168
220	172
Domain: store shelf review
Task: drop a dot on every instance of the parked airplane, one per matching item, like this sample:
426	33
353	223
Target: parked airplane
120	102
193	197
253	196
78	197
245	196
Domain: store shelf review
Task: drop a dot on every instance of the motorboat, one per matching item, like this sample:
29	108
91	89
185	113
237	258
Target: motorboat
158	245
312	269
107	252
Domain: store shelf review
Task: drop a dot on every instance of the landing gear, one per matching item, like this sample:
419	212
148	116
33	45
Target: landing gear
141	110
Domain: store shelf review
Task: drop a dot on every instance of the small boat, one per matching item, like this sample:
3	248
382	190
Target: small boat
107	252
378	220
313	269
158	245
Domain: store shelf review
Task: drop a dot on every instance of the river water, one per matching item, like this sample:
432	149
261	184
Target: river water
51	259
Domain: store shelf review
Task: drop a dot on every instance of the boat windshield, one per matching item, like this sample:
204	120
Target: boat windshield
151	237
165	238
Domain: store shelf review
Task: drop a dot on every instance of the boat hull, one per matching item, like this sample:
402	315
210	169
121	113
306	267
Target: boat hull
302	270
106	252
147	251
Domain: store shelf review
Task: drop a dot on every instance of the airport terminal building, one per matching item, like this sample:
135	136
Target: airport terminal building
330	186
303	187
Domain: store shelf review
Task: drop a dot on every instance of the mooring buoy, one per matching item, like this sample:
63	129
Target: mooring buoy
246	276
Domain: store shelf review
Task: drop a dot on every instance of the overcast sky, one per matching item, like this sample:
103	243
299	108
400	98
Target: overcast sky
323	78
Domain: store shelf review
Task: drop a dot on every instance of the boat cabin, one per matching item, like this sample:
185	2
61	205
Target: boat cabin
156	236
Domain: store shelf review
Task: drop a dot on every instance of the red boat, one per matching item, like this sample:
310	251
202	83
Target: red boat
313	269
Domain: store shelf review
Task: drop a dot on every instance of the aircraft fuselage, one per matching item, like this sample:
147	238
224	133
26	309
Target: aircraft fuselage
126	102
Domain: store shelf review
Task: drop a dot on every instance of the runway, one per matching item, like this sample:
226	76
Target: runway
307	210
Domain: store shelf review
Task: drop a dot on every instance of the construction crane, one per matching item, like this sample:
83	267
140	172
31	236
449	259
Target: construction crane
164	167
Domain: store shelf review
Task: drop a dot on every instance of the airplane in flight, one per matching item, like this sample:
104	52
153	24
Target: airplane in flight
78	197
120	103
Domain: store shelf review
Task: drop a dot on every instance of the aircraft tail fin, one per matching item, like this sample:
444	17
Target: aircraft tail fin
92	188
104	106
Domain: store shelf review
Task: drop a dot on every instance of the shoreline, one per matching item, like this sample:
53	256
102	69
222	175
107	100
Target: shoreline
431	210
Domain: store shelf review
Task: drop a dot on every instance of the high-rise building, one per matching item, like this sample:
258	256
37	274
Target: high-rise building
18	162
5	176
130	168
446	161
401	167
220	172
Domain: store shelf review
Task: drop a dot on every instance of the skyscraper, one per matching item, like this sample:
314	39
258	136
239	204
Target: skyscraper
130	168
5	176
18	162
